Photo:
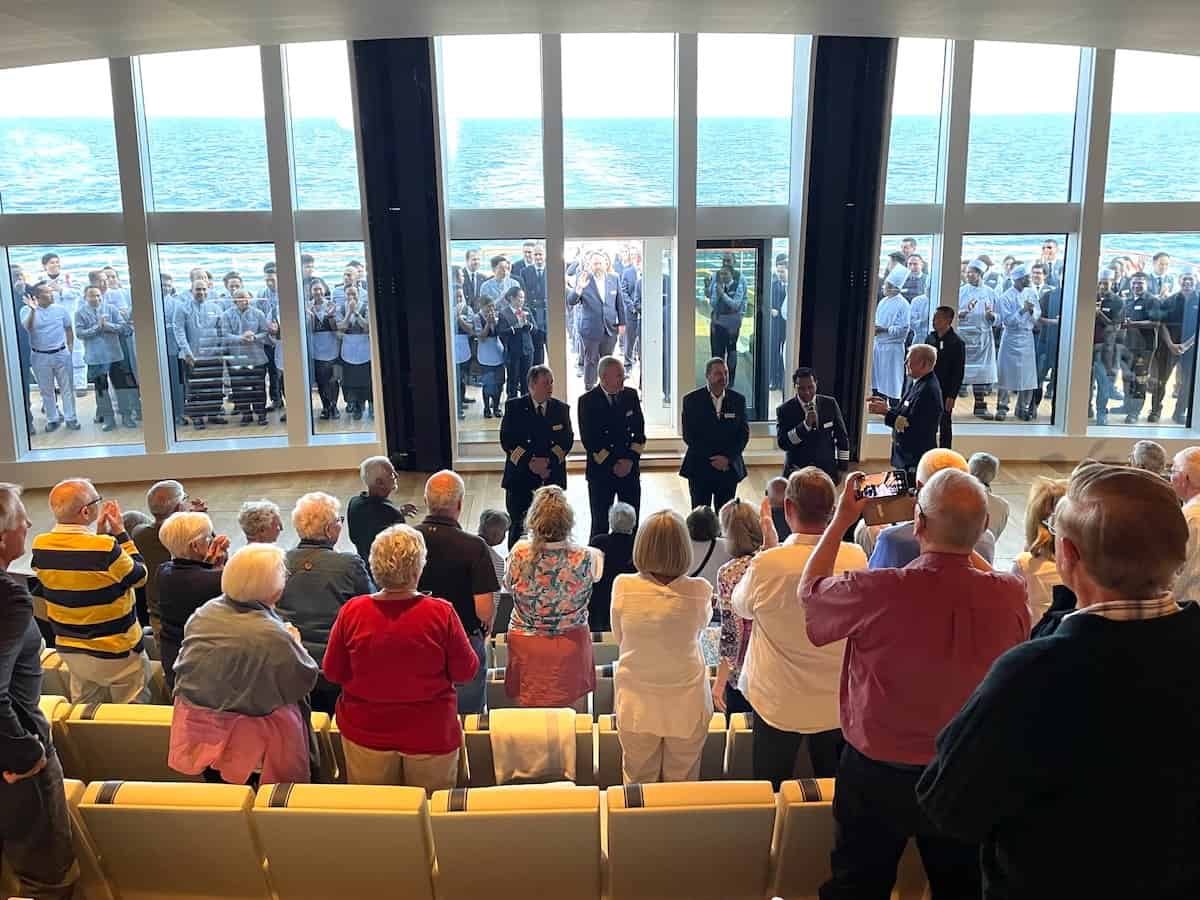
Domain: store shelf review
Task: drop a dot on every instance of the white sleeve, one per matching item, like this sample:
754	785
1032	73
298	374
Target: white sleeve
597	563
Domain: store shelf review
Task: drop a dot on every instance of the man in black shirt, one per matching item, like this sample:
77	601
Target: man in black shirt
371	512
35	827
950	367
458	568
1143	313
1110	315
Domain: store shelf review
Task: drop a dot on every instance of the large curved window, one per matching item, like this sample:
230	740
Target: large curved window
916	118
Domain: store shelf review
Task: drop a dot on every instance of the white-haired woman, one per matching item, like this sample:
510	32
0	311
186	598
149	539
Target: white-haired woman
320	581
397	654
186	581
241	680
744	537
663	702
617	547
551	578
261	521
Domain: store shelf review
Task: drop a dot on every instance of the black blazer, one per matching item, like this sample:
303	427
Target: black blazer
618	560
516	338
951	363
827	446
610	433
706	435
922	407
524	434
535	294
471	285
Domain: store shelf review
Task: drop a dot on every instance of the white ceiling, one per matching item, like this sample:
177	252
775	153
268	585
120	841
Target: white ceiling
44	31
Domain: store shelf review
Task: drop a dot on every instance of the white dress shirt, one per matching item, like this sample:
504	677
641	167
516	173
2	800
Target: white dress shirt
661	680
789	682
1187	585
717	402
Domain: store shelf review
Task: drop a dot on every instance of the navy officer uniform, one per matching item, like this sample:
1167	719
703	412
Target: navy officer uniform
825	444
921	409
612	428
530	431
713	427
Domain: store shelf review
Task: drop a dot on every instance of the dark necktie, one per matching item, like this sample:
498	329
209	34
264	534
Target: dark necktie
541	409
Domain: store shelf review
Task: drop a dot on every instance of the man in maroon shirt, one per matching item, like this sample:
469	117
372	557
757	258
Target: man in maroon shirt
918	641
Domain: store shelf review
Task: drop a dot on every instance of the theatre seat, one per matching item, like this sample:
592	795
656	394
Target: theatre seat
609	756
150	643
605	649
700	840
328	768
167	841
739	751
326	841
158	685
496	696
602	696
54	674
91	884
498	652
478	741
121	741
474	833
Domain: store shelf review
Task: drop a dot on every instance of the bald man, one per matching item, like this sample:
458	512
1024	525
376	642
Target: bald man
1185	479
1029	766
89	569
927	633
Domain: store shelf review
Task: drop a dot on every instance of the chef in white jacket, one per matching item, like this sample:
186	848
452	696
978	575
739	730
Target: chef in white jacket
1017	369
976	315
891	330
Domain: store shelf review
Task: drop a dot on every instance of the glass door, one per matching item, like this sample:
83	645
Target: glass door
730	316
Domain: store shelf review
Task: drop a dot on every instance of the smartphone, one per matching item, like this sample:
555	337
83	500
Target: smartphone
883	485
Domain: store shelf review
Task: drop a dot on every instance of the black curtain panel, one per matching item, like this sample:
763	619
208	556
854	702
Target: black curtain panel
850	98
407	266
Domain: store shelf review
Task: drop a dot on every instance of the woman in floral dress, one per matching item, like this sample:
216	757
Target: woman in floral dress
743	535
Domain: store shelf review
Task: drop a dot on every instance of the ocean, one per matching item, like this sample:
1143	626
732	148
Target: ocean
69	165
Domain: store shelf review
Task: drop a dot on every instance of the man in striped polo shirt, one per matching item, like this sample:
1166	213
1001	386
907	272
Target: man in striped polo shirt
89	567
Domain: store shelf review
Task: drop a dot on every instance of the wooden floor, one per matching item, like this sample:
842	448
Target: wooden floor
660	488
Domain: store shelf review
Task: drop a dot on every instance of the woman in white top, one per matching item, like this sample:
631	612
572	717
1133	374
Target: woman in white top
1036	565
663	703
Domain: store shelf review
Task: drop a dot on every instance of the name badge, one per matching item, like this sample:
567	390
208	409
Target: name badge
827	425
730	415
630	413
556	427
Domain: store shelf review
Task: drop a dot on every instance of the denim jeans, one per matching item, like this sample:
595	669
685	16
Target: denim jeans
1104	385
471	693
35	833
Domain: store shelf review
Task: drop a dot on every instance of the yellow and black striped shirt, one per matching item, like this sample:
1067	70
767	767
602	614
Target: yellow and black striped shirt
88	581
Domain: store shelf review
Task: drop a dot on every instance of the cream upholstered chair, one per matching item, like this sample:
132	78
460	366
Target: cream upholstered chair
478	739
609	756
54	674
561	821
700	840
121	741
325	840
167	841
739	750
604	694
91	884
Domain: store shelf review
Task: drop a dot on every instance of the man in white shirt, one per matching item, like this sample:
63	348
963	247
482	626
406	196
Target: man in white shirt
1185	478
792	685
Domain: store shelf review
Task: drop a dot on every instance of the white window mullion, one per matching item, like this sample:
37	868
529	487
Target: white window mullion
684	276
953	142
555	218
804	63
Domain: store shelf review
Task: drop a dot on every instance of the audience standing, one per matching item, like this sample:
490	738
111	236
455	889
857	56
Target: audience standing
186	581
617	547
985	467
261	521
163	500
662	701
709	551
927	632
371	511
397	654
1185	478
744	538
1036	564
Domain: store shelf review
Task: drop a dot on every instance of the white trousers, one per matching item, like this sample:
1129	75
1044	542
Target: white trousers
647	758
51	369
95	680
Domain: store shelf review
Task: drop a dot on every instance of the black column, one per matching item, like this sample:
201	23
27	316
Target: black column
408	271
850	98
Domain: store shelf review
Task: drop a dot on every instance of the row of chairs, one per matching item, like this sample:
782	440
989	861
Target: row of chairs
130	742
717	841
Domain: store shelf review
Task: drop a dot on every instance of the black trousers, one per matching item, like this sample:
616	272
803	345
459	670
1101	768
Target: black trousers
539	347
735	702
875	813
517	501
517	367
273	379
35	833
945	429
604	489
775	752
328	387
723	344
713	491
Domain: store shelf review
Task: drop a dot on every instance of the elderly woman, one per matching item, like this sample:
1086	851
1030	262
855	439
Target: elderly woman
186	581
550	578
709	551
320	581
397	654
1036	565
744	536
663	702
260	521
617	547
241	679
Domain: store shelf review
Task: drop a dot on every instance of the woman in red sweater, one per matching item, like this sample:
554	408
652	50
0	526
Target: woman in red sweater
397	654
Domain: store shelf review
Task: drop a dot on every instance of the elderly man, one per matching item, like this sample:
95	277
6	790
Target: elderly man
89	567
915	420
35	826
1185	479
897	545
986	467
320	580
371	511
928	634
791	684
776	494
613	432
459	569
163	499
1027	766
1148	456
260	521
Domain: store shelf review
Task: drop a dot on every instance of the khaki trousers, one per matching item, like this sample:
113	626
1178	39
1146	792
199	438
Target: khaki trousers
433	772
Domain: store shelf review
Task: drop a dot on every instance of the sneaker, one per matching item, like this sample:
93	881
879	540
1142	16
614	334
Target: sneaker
73	426
218	420
52	426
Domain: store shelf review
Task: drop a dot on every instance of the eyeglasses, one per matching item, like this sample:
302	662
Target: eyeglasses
98	499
